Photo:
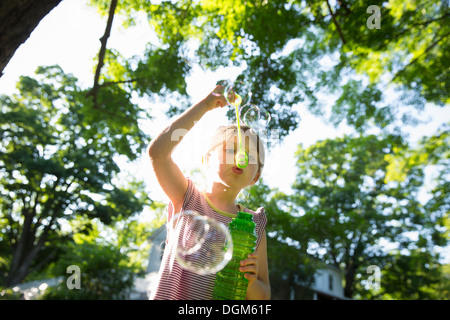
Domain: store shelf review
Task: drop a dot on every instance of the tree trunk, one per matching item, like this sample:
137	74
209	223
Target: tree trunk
27	249
18	19
17	276
350	273
22	251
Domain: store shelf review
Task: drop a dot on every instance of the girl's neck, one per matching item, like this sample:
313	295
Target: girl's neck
223	197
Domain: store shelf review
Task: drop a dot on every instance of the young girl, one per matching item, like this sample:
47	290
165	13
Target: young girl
218	201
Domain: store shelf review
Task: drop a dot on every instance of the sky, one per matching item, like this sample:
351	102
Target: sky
69	36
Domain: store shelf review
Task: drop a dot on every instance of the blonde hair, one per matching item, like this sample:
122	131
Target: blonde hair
223	133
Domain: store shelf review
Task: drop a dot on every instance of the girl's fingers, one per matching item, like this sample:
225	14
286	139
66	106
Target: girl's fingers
251	269
249	261
252	259
253	255
251	276
216	98
250	266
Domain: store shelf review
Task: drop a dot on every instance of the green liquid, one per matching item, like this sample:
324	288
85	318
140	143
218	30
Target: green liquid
230	283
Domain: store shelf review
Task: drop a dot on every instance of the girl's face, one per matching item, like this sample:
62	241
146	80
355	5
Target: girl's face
222	166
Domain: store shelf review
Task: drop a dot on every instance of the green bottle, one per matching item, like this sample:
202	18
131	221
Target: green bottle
230	283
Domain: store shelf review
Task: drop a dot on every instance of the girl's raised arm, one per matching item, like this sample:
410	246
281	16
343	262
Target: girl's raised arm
169	176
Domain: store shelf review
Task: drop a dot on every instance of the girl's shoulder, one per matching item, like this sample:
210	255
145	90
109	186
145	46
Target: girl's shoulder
260	210
258	214
260	219
193	200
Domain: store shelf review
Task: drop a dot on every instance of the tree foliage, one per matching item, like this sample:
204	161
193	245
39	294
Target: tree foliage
57	163
352	204
360	201
293	52
353	195
104	274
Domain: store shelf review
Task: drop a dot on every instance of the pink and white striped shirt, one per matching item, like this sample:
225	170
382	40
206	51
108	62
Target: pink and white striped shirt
177	283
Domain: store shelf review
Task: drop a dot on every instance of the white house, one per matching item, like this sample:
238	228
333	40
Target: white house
157	241
327	284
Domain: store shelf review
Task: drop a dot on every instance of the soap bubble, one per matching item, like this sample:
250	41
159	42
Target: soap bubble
257	118
201	244
237	93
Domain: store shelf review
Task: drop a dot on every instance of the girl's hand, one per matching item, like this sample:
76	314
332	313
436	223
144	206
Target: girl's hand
250	266
215	99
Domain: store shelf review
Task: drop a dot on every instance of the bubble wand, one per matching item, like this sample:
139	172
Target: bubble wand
252	115
242	155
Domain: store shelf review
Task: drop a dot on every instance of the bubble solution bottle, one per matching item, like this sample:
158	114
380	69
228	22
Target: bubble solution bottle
230	283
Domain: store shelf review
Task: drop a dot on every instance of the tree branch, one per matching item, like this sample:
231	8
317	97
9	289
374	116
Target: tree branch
110	83
18	19
336	24
410	27
101	54
431	46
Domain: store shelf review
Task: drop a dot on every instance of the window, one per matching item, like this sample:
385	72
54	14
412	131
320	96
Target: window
330	282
